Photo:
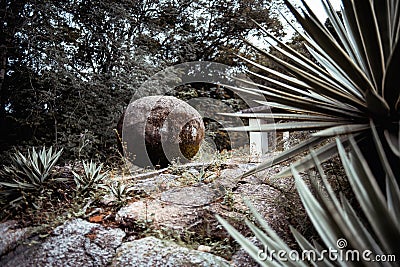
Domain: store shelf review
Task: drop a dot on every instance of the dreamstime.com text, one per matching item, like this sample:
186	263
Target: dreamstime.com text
331	254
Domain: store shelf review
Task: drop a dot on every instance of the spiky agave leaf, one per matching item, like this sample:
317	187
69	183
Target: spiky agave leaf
28	175
91	179
356	80
335	219
120	191
354	86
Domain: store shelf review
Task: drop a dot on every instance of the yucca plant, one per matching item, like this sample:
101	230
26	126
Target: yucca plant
353	86
337	223
91	179
28	176
352	94
121	192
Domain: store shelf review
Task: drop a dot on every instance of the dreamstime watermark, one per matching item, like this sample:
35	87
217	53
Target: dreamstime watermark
340	253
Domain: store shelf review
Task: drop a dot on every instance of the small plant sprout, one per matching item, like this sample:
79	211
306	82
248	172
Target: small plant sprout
91	179
120	192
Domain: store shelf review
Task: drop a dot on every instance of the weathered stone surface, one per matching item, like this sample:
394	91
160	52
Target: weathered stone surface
176	207
242	259
162	215
11	235
229	177
158	129
76	243
156	183
193	196
151	251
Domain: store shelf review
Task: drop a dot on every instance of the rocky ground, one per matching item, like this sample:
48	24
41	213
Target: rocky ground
179	209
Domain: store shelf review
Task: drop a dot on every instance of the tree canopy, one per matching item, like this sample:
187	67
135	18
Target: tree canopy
68	68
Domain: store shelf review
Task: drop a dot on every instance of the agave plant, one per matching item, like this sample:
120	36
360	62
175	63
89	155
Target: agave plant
337	223
353	87
28	176
120	192
352	94
91	179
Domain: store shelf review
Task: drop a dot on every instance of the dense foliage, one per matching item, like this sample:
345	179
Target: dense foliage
68	68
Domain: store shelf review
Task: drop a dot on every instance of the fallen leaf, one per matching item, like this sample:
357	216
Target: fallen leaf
97	218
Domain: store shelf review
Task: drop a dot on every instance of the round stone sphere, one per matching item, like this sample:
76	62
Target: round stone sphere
160	129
